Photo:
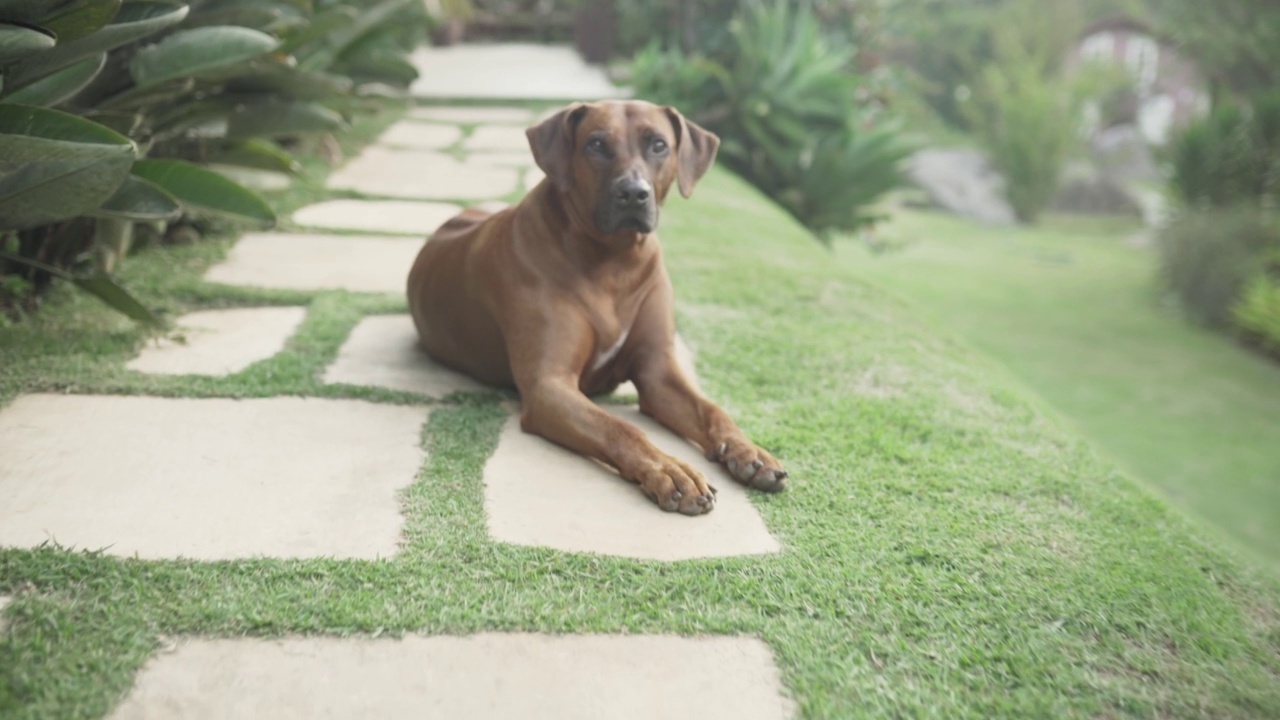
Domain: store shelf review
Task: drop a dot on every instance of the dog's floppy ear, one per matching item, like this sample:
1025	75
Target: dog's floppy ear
552	143
695	150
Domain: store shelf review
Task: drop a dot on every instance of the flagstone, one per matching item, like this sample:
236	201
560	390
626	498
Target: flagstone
220	342
502	158
514	71
482	677
540	494
207	479
383	351
472	114
300	261
498	137
419	217
420	135
421	174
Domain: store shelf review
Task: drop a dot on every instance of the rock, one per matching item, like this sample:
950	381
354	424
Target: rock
1084	190
962	181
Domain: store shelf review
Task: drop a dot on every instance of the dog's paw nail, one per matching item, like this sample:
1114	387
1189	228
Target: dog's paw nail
724	447
675	496
714	491
756	465
782	475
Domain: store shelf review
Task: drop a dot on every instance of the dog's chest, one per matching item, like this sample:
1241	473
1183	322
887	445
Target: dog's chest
605	356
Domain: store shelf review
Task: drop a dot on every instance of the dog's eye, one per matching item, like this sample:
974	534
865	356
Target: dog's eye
658	146
596	145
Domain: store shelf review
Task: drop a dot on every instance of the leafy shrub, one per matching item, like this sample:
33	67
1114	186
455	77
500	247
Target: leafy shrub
1232	156
789	111
90	89
1026	118
1258	311
1208	257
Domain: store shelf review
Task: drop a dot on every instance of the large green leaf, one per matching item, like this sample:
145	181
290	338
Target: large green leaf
280	78
205	191
98	284
54	165
258	154
281	118
135	20
81	18
140	200
135	97
192	52
367	21
321	26
32	11
54	88
20	41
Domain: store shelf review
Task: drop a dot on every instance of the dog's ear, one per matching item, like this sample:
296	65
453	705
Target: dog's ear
695	150
552	143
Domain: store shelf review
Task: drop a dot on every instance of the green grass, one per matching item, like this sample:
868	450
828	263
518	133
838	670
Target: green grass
950	549
1076	314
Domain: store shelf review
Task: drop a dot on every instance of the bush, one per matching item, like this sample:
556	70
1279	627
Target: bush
1258	311
1232	156
107	110
1208	257
792	116
1027	120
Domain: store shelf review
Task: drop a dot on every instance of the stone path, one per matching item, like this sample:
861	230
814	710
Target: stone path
287	477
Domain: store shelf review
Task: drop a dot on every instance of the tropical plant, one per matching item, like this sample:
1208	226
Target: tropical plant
108	108
793	117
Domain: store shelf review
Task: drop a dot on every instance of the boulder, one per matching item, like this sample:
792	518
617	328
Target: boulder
962	181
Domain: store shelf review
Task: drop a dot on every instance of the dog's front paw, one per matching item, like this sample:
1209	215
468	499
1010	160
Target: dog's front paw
750	465
676	487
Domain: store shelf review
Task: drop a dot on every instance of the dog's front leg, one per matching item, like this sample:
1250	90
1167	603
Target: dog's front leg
558	411
667	396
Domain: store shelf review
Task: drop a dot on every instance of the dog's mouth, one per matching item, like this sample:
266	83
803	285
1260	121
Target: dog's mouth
635	224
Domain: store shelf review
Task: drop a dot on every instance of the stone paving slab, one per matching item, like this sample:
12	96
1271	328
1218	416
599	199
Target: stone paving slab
208	479
511	71
540	494
421	174
419	217
508	158
220	342
500	138
420	136
477	677
318	262
472	114
383	351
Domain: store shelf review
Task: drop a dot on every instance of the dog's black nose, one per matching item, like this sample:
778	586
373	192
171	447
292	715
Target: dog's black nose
632	192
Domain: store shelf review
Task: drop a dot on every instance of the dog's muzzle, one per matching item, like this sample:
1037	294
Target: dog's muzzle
631	206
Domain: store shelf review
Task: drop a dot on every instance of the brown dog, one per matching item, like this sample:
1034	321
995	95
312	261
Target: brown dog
565	295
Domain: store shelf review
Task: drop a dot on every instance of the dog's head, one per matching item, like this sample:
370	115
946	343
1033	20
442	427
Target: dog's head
614	161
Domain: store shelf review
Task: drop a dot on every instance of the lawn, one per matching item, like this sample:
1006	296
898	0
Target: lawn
951	549
1075	313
